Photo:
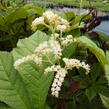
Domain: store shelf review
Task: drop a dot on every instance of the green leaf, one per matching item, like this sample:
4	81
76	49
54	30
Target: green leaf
78	19
2	21
107	72
27	46
16	15
47	107
61	14
103	36
69	50
98	52
96	71
34	10
36	82
70	15
102	89
12	87
105	101
4	107
75	32
90	92
107	55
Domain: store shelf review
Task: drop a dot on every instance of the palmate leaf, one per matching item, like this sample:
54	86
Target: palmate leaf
36	82
12	88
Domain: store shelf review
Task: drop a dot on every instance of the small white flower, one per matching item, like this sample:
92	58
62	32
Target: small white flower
58	80
71	63
61	28
42	48
22	60
38	60
51	46
65	22
59	83
56	49
67	40
56	35
51	17
48	14
36	22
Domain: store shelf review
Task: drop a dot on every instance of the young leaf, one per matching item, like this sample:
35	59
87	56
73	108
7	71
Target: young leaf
12	87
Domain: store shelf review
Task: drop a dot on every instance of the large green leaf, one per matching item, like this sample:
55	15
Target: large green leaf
105	101
12	88
37	83
3	107
98	52
20	13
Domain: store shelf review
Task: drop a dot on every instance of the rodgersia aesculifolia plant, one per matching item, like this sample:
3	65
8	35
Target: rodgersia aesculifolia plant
58	65
54	45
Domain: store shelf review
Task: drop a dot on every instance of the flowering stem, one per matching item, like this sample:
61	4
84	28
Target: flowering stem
46	25
61	34
53	31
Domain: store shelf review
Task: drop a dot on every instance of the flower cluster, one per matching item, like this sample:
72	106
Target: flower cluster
53	45
50	46
56	49
22	60
56	35
35	58
58	80
36	22
71	63
67	40
59	23
42	49
51	17
62	25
